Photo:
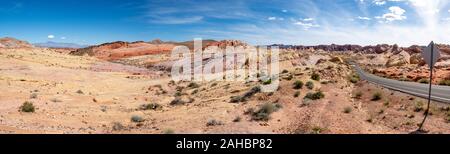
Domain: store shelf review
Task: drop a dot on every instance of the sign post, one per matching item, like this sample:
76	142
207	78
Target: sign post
430	54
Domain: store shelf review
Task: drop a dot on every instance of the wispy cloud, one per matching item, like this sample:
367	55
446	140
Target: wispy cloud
312	22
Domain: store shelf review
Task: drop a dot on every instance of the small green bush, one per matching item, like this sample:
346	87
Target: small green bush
315	76
358	95
298	84
315	96
347	109
136	118
418	106
377	96
263	113
193	85
310	85
151	106
425	81
444	83
27	107
297	93
213	122
267	82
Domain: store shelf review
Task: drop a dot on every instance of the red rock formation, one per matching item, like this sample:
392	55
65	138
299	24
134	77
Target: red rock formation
8	42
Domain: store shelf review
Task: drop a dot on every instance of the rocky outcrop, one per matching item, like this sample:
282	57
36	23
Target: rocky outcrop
399	59
224	43
9	42
118	50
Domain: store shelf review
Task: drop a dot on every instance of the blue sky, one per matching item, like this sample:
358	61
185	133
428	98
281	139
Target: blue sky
307	22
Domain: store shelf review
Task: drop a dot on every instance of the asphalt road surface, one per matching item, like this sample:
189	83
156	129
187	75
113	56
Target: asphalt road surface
438	93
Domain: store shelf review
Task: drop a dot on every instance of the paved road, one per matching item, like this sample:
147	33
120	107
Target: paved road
438	93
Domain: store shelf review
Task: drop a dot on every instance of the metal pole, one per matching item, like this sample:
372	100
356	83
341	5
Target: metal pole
429	90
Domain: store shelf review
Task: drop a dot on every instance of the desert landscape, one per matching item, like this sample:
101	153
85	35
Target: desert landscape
126	88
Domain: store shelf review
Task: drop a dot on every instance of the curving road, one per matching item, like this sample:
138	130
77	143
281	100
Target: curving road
438	93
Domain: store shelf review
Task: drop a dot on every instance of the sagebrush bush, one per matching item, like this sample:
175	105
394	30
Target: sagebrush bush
136	118
193	85
27	107
315	76
347	109
358	95
444	83
425	81
298	84
297	93
418	106
315	96
310	85
263	113
376	96
213	122
151	106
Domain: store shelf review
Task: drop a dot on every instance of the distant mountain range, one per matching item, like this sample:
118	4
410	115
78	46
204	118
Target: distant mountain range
59	45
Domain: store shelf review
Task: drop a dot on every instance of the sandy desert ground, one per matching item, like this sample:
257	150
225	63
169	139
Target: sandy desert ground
131	94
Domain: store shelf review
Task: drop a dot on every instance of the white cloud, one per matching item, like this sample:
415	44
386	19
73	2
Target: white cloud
308	19
364	18
284	11
395	13
51	36
63	38
306	26
272	18
379	2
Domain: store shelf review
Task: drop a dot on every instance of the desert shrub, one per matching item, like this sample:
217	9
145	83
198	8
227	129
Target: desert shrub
315	96
347	109
237	119
177	94
213	122
358	95
249	111
444	82
267	82
236	99
418	106
33	96
298	84
447	118
214	84
169	131
56	100
354	80
317	130
193	85
136	118
117	126
297	93
285	71
315	76
244	97
386	103
27	107
263	113
79	92
425	81
310	85
377	96
151	106
177	101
